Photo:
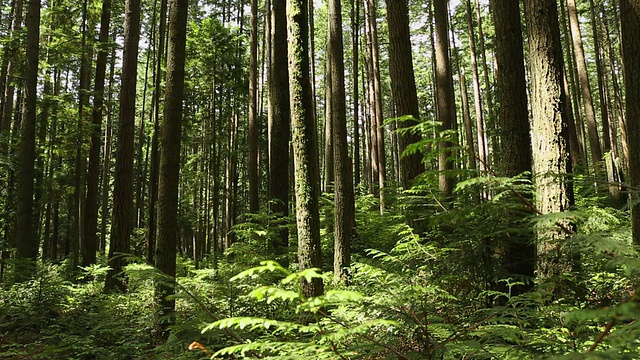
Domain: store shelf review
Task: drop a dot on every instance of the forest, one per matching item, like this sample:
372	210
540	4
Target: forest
319	179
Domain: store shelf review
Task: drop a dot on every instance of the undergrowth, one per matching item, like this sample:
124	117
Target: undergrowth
434	290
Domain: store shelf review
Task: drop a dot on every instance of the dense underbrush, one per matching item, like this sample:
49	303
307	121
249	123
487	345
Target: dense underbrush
440	293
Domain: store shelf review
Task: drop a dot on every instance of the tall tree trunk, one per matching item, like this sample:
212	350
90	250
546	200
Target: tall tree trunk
466	115
91	213
7	109
573	100
477	95
344	208
490	120
551	162
170	158
106	162
78	215
10	62
26	242
155	153
372	11
355	39
445	95
305	146
618	98
372	134
48	240
279	128
630	27
121	227
231	181
514	156
610	160
585	87
254	201
403	85
329	174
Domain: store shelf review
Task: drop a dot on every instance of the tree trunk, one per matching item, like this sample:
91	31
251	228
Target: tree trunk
26	242
106	162
329	174
445	95
279	128
121	227
466	116
403	85
305	147
79	195
585	87
572	94
344	207
254	201
170	158
372	9
7	109
618	99
355	39
490	120
630	26
514	156
610	159
91	212
551	162
477	95
155	153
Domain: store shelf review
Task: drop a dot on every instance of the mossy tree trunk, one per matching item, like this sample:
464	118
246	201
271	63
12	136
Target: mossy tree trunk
305	147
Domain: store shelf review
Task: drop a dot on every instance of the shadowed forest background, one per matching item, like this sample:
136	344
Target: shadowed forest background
321	179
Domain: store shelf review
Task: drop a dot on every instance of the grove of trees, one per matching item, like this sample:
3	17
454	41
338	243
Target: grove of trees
319	178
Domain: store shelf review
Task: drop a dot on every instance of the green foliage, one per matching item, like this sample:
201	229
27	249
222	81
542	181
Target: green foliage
440	292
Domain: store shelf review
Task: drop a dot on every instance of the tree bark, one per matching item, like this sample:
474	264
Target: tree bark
445	95
551	162
121	227
403	85
170	158
279	128
26	242
91	203
573	99
106	162
305	148
514	156
355	39
477	95
372	9
344	207
254	200
155	153
585	87
630	27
